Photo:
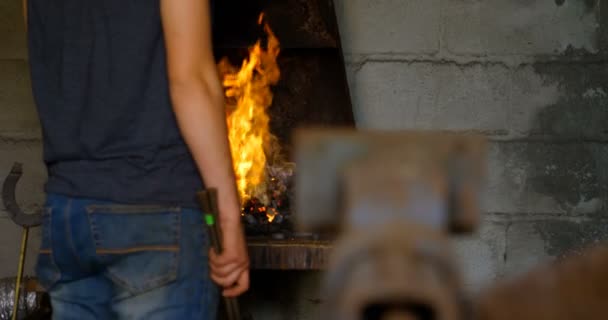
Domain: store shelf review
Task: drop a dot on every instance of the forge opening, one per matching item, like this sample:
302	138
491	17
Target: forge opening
282	67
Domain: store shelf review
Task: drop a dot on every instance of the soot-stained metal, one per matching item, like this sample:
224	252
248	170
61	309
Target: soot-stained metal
313	90
289	254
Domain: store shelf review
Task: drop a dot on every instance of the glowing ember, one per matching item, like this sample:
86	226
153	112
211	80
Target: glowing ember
271	214
248	96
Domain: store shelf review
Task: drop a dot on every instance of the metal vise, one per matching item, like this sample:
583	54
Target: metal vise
394	198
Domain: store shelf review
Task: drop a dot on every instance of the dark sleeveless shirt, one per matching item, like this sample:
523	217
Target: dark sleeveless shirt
99	80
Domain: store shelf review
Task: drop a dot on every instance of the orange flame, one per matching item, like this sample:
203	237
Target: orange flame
248	96
271	213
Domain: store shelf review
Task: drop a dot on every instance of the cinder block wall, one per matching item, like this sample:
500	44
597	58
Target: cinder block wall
531	75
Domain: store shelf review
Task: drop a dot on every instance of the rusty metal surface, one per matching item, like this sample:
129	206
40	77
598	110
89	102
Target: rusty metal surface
401	266
289	254
297	23
380	159
573	288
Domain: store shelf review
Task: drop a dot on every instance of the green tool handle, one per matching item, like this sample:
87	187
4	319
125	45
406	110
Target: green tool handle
208	202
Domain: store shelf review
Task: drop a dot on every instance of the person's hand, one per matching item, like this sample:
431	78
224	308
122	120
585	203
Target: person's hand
230	270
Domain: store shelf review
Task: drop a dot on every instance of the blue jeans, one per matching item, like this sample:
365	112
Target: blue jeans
102	260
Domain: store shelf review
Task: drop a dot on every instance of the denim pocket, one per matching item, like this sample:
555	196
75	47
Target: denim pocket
46	270
139	245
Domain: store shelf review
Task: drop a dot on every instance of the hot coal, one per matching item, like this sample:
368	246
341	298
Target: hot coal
270	214
260	219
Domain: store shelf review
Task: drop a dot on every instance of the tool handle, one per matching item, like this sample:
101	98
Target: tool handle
208	202
19	280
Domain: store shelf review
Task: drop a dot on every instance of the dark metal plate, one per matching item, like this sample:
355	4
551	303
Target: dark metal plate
298	23
313	90
289	254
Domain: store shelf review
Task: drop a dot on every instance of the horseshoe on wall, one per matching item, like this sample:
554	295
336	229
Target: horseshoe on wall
9	186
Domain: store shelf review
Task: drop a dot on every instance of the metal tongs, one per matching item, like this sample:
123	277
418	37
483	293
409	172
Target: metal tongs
208	202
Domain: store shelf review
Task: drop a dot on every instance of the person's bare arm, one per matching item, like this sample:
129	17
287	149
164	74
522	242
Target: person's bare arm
198	102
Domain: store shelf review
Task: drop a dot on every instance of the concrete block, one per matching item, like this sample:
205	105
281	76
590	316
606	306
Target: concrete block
481	256
10	243
17	109
487	97
570	237
531	243
12	31
389	26
30	192
538	177
581	109
532	27
556	100
524	249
